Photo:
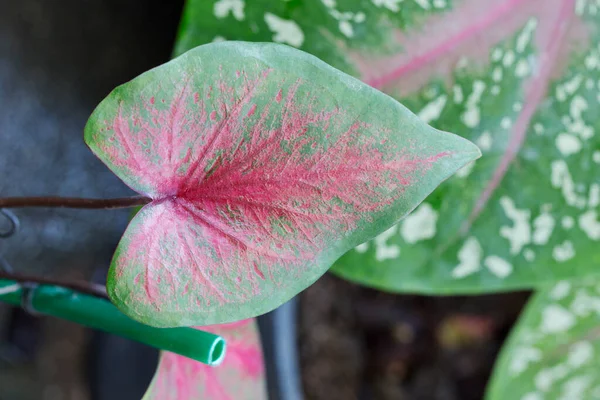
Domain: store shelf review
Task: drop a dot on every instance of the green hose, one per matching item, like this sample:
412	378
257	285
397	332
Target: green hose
100	314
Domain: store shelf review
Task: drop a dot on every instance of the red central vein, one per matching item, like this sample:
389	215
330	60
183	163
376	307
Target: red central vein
534	96
221	229
217	131
447	46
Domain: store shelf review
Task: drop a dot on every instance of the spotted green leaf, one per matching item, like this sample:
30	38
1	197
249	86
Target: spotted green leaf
552	354
240	376
520	78
264	165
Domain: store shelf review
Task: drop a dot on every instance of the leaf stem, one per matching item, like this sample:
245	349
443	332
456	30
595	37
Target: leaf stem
79	286
72	202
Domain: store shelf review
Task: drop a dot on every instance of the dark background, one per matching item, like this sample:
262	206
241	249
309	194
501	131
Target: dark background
58	59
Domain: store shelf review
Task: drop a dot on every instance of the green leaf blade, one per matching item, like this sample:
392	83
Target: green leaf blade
552	351
264	165
519	78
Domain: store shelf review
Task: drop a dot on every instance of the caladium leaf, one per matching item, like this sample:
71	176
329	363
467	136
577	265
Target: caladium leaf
518	77
553	351
241	376
264	165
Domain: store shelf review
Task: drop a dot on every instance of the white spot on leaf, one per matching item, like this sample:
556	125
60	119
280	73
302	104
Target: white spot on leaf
525	37
509	58
575	388
458	94
594	200
538	128
580	7
472	116
469	257
568	88
556	319
383	250
498	266
419	225
560	290
362	248
392	5
564	251
497	54
519	235
543	225
546	377
223	8
529	255
346	28
522	358
561	178
588	222
497	74
567	144
581	353
532	396
567	222
485	141
433	109
522	69
424	4
583	304
285	31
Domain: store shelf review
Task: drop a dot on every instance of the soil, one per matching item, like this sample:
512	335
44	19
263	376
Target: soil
359	343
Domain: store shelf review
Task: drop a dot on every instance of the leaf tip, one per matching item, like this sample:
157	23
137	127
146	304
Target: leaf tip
463	151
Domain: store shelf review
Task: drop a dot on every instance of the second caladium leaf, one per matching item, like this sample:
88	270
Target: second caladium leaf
518	77
552	353
240	377
264	165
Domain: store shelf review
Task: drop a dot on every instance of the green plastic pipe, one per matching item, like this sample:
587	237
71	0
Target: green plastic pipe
100	314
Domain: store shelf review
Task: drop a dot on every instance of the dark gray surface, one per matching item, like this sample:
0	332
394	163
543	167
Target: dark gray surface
58	59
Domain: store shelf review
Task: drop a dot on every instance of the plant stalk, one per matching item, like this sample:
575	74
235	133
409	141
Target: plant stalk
73	202
91	289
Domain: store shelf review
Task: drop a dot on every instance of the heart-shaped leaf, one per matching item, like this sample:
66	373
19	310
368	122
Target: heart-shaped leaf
518	77
241	376
264	166
553	351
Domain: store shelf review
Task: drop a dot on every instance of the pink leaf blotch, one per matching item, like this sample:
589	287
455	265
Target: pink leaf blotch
241	376
264	165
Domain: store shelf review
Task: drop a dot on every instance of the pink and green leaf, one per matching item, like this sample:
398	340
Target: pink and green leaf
552	352
264	165
241	375
517	77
